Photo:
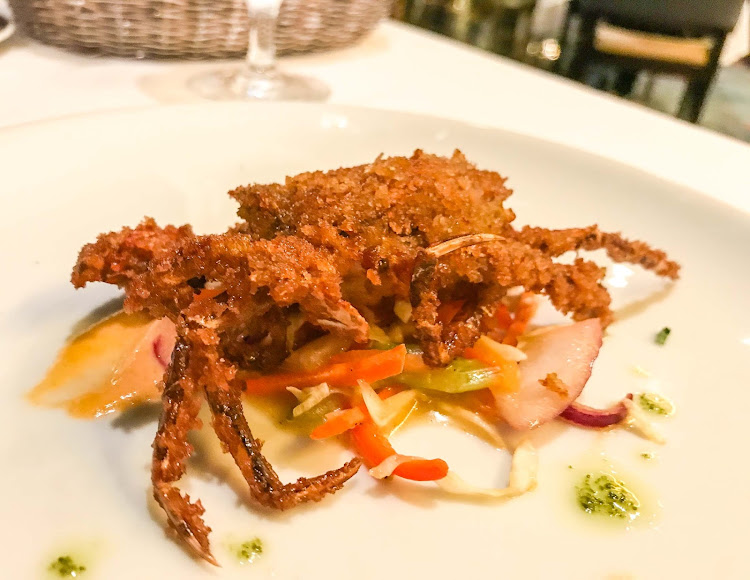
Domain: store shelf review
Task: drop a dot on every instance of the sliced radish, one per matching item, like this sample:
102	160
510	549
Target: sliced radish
163	344
569	351
113	365
146	363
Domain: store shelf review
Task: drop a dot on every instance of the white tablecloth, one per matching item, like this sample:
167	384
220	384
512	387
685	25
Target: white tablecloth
402	68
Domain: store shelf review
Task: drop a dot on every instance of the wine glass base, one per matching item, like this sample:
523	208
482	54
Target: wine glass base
268	86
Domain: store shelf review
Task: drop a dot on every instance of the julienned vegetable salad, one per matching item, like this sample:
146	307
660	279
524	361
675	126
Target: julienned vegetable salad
415	249
364	395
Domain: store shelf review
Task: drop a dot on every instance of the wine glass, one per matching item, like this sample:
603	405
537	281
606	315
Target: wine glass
259	78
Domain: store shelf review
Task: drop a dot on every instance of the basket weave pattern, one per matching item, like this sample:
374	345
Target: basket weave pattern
191	28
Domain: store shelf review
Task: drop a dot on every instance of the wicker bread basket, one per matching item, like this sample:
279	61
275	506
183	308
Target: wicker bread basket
191	28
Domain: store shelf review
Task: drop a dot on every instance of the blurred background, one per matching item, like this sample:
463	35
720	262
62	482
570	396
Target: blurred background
687	58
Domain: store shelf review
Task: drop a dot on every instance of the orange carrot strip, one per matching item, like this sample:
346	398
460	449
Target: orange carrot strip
207	294
371	445
422	469
374	448
414	363
507	372
380	364
447	311
504	319
525	311
508	379
338	422
483	351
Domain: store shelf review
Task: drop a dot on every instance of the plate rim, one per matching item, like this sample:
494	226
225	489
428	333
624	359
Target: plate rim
714	199
550	146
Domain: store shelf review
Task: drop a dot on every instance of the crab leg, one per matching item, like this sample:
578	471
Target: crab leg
231	427
181	404
495	264
557	242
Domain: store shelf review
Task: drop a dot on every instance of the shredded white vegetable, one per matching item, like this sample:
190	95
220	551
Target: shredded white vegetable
399	406
375	405
466	416
637	421
396	333
523	477
295	323
508	352
316	353
299	394
389	412
309	397
402	309
389	465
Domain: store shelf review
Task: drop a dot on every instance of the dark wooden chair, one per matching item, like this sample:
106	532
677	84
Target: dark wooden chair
683	37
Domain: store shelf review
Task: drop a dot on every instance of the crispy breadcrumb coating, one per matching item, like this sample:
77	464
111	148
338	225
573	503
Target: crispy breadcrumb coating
375	219
261	284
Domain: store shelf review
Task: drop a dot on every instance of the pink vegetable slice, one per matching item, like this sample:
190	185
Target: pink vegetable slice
163	344
136	378
113	365
569	351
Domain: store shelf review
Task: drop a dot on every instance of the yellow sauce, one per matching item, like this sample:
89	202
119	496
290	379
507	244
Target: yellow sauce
115	364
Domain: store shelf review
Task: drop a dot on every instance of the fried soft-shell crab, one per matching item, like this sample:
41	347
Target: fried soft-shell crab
384	222
329	253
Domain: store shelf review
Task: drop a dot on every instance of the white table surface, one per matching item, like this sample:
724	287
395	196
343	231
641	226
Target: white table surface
400	67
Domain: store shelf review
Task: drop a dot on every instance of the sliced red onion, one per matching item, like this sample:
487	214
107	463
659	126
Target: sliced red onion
586	416
159	353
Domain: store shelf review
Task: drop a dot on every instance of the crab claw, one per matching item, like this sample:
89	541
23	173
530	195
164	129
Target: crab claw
185	518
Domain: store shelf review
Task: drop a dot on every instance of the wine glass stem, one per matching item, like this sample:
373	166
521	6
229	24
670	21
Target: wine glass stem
261	51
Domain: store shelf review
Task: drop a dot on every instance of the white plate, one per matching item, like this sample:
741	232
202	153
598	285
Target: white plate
83	486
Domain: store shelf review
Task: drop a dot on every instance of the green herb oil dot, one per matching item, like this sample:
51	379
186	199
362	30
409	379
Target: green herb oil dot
656	404
603	495
67	567
248	551
662	335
